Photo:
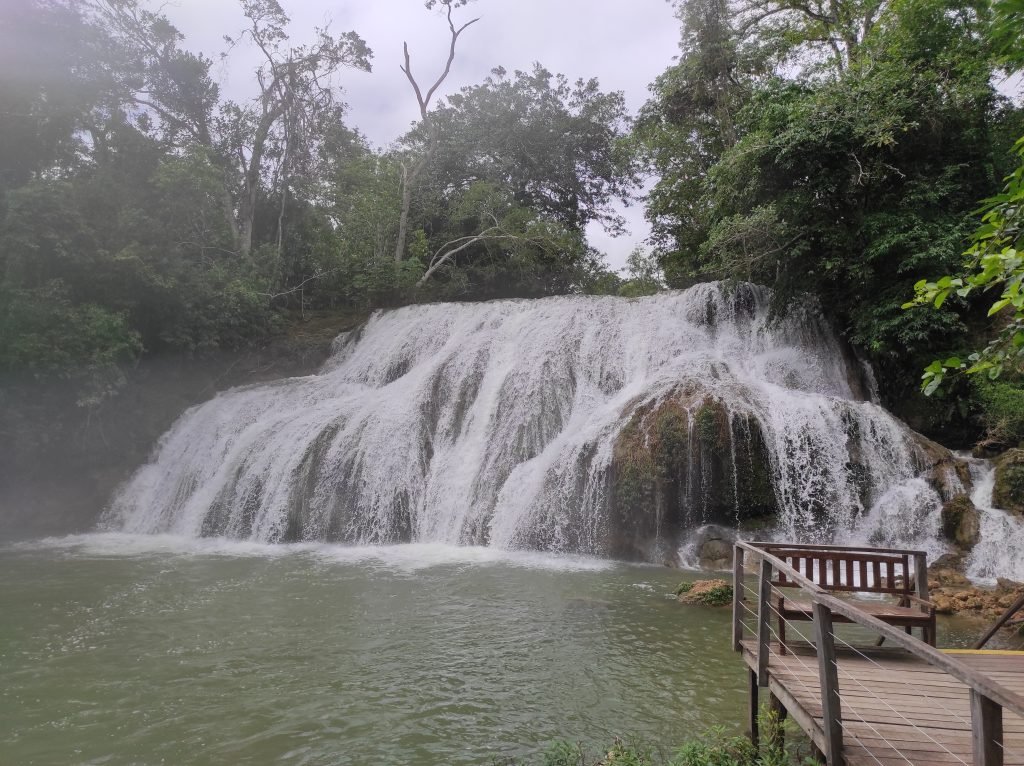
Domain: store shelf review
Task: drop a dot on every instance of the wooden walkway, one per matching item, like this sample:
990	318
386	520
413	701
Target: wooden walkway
859	702
897	709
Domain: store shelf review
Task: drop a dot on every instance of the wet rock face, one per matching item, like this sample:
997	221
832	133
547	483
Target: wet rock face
961	522
1008	492
949	475
714	547
692	462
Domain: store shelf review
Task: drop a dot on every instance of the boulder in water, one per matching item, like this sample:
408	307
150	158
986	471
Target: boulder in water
714	547
693	461
961	522
1008	492
706	592
949	475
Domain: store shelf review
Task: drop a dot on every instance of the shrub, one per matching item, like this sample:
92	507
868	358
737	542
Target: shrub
1002	404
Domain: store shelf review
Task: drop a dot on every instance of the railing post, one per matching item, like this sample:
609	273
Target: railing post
737	597
921	575
986	730
828	676
764	616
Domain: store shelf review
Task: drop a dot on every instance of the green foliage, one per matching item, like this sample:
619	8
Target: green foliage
707	423
144	213
643	275
553	145
44	335
995	260
1002	406
837	154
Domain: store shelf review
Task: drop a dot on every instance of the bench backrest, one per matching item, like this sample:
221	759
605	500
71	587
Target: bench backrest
855	571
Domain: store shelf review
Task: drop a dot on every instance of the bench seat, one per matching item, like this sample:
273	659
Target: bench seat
842	569
901	616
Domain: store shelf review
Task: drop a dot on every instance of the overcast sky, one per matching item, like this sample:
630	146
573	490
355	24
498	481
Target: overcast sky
624	43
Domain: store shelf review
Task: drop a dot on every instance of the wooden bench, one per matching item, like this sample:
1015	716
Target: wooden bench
840	569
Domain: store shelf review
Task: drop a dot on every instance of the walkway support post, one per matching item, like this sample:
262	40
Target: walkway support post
828	675
986	730
764	616
737	598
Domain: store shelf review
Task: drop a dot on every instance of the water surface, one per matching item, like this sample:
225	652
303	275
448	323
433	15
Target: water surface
142	650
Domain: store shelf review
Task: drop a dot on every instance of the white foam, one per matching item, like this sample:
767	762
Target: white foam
407	558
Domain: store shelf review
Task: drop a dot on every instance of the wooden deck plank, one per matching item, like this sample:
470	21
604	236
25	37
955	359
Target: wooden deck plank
897	709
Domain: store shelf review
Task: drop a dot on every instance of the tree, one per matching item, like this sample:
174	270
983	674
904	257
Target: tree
555	146
49	87
526	162
411	173
995	259
686	127
256	144
295	103
643	275
816	34
849	175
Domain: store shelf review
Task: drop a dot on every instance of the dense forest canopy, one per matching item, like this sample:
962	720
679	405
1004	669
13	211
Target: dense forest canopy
841	149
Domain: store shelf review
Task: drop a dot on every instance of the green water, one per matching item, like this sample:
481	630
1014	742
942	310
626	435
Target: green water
118	650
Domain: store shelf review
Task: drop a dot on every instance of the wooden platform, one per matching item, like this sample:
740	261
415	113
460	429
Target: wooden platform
896	708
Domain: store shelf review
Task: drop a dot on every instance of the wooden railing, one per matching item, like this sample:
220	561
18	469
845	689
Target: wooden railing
988	698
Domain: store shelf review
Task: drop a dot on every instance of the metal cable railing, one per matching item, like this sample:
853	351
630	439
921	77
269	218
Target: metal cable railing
869	691
814	692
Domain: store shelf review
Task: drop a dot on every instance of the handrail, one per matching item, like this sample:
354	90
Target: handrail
991	689
852	548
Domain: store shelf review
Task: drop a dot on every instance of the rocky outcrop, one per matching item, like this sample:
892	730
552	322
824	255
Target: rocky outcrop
705	592
692	461
1008	492
953	593
948	474
715	553
961	522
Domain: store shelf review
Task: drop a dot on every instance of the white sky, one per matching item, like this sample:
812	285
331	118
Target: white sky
624	43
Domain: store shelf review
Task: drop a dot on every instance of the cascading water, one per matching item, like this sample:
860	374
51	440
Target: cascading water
1000	536
503	423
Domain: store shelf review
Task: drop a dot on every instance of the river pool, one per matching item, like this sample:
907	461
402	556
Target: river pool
154	650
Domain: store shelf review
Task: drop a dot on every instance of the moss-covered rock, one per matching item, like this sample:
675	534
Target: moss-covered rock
1008	492
706	592
961	522
681	462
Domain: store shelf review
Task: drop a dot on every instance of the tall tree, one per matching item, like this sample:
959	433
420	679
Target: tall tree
255	143
686	127
411	171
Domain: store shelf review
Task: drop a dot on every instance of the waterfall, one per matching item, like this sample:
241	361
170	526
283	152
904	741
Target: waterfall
998	552
505	423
